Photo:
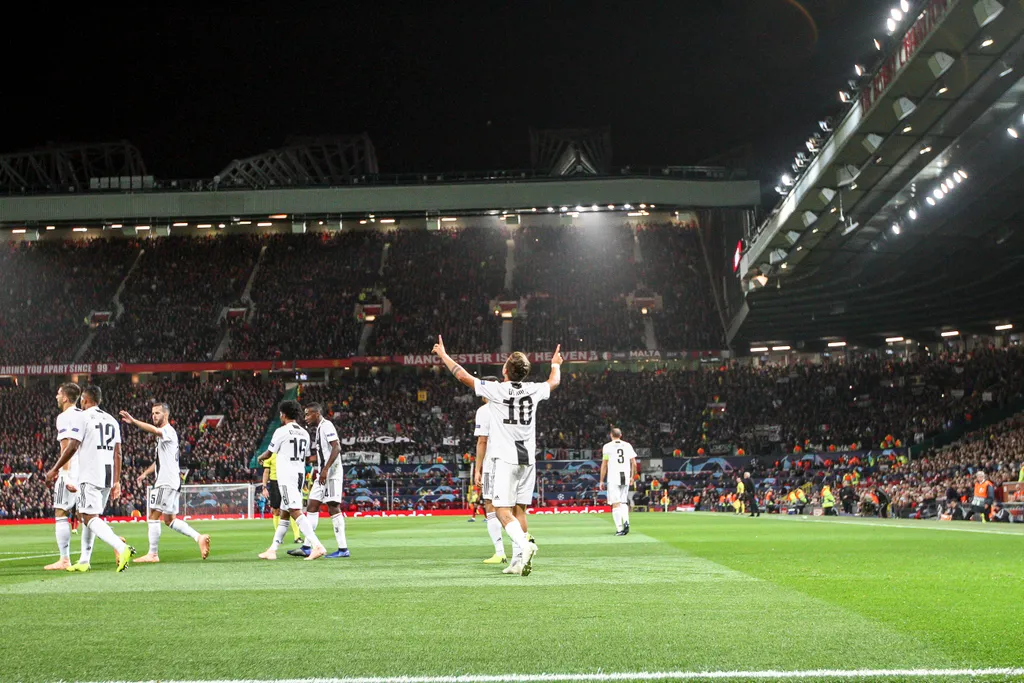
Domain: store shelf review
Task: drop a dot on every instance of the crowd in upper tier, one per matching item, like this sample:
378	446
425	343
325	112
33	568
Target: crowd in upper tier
769	411
299	296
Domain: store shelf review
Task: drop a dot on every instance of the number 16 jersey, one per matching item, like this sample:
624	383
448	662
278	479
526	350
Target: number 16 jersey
512	408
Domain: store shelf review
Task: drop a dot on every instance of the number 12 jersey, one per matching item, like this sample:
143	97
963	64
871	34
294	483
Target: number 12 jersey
512	408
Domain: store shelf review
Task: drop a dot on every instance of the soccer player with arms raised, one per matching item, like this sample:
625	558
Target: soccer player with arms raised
69	436
483	476
163	497
512	406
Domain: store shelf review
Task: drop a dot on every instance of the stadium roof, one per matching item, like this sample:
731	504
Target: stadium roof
883	235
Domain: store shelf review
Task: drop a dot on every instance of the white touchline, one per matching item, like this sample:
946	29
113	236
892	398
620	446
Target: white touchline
643	676
28	557
858	522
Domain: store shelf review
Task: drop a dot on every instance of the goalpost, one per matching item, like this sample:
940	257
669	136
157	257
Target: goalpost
223	501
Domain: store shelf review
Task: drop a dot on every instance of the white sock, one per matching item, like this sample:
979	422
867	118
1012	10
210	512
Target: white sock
307	532
617	518
154	537
182	527
106	534
282	529
515	531
314	522
85	556
494	531
62	528
338	522
517	552
624	515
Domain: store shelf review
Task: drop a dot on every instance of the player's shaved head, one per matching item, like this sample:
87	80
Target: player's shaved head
315	407
616	433
517	367
71	391
93	394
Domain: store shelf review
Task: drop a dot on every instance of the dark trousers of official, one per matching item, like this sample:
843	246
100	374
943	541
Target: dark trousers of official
829	511
883	510
848	507
752	506
984	510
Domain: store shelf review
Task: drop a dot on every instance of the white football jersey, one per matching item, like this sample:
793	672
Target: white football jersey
69	426
291	443
100	433
618	454
512	418
168	473
325	435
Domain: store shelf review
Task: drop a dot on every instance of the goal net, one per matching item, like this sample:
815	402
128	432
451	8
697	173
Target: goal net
224	501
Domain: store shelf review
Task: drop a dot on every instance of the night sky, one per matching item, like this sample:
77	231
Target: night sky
442	86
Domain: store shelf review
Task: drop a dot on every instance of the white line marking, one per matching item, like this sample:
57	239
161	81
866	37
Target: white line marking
646	676
28	557
857	522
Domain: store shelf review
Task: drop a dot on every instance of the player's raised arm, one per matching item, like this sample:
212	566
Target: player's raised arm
144	426
457	370
555	378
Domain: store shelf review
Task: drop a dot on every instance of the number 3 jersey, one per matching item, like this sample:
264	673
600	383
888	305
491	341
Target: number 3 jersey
100	434
291	443
512	413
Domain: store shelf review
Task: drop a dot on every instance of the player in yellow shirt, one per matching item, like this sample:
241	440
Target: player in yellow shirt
269	462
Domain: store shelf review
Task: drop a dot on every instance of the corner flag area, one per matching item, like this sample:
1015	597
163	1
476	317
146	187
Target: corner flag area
685	596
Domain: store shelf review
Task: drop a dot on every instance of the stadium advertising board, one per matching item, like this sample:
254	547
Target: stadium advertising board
930	18
412	360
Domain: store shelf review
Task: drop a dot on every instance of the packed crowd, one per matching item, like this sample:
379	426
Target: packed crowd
173	299
48	290
305	296
441	281
575	282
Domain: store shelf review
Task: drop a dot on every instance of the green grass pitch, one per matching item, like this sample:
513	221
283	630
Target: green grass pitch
683	592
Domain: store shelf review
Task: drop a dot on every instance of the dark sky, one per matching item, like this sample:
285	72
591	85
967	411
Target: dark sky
441	86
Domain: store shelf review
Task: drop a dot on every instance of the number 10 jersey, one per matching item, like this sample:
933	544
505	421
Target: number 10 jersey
512	408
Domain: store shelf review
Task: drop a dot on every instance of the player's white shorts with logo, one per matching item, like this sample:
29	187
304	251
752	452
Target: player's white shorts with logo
92	500
487	479
291	496
513	484
62	498
164	499
618	494
330	492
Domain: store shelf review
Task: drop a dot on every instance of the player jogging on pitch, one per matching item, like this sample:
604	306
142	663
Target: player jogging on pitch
328	480
512	408
100	478
291	444
163	497
483	476
69	436
618	469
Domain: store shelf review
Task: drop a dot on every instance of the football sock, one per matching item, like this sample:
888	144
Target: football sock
617	518
85	556
494	530
307	532
295	528
63	530
338	522
106	534
282	529
154	537
516	533
183	528
277	520
624	515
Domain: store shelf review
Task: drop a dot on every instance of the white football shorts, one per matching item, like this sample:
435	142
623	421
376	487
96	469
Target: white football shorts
164	499
513	484
331	492
92	500
62	498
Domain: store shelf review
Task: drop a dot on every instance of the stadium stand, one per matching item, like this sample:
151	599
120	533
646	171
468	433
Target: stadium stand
173	299
575	282
47	289
443	280
305	295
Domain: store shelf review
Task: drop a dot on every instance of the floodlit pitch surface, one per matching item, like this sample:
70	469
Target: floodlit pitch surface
682	594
